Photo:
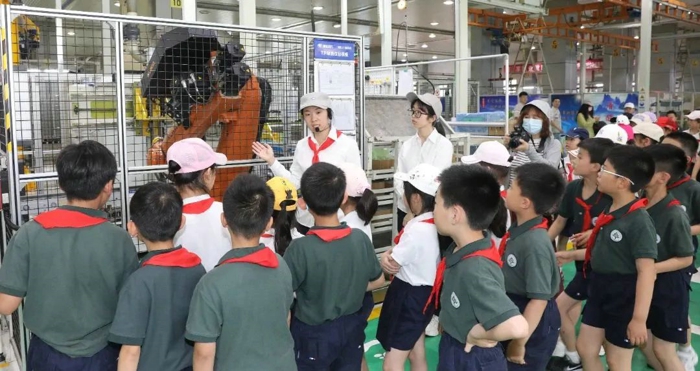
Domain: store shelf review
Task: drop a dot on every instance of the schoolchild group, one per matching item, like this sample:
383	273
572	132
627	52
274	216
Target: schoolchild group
235	285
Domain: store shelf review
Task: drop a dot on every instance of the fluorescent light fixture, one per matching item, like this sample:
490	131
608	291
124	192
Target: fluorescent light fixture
434	23
276	19
267	52
435	57
403	60
448	2
405	55
424	46
71	33
401	5
337	25
318	8
533	47
432	36
117	4
599	85
636	37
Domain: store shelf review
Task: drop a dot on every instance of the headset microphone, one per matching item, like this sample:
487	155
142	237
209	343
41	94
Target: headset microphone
317	129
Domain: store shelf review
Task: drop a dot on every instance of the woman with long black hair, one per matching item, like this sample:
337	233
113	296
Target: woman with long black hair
585	118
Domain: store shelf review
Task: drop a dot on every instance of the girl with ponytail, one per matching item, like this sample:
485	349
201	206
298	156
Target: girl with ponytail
283	215
362	204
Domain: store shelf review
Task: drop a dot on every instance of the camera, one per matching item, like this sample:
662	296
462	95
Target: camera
516	135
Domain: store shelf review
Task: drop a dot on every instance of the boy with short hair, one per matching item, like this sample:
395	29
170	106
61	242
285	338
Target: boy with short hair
574	137
332	268
530	271
581	205
670	302
476	313
621	251
45	256
154	339
243	303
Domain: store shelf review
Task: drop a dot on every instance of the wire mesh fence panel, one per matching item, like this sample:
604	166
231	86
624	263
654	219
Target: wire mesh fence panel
60	93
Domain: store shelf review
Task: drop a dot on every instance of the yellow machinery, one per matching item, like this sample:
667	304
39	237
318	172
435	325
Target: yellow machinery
25	35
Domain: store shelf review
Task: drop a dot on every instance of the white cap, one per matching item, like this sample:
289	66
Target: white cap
613	132
491	152
649	130
315	99
424	177
429	99
356	179
642	117
622	119
541	105
629	105
695	115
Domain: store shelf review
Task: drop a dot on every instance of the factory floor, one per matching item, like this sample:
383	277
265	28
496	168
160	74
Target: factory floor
374	352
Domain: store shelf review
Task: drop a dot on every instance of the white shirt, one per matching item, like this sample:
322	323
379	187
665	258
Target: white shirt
344	149
556	118
569	169
354	221
495	239
516	110
436	150
203	233
418	252
268	238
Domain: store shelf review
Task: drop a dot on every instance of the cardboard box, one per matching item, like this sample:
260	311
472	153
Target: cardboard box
497	131
382	164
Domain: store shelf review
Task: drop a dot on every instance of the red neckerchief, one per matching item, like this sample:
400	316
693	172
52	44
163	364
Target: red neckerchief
491	254
603	220
198	207
505	238
328	235
397	239
267	235
62	218
675	184
177	258
570	172
325	145
587	220
263	257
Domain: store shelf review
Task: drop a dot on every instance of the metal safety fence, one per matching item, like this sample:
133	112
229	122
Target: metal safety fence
138	85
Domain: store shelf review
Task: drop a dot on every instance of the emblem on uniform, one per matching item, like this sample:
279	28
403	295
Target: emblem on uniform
454	300
658	238
595	220
511	260
616	235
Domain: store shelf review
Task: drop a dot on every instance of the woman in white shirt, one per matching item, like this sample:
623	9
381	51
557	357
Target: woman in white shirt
324	144
428	146
192	166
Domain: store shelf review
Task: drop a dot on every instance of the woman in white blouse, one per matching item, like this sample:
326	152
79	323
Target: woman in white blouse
324	144
428	146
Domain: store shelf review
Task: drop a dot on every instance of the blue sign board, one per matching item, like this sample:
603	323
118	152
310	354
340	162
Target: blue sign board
334	50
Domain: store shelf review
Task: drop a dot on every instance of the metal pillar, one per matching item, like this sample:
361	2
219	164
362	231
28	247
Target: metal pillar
343	17
582	70
644	56
462	49
247	17
107	47
189	10
59	39
385	30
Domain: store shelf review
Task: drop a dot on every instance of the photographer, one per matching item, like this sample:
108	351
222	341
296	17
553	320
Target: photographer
532	140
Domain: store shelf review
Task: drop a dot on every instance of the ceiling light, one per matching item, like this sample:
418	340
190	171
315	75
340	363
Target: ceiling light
435	57
267	52
434	23
424	46
432	36
636	37
533	47
276	19
505	11
117	4
337	25
71	33
448	2
405	55
403	60
401	5
582	27
318	8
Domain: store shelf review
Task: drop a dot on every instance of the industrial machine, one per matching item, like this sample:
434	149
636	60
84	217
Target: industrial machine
197	82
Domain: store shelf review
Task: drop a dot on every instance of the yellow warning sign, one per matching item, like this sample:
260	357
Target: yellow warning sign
616	52
660	60
176	4
555	44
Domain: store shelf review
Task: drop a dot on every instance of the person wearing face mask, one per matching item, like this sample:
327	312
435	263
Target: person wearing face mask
324	144
542	147
585	118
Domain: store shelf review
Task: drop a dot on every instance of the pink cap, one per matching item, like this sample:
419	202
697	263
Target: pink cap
356	179
628	129
194	154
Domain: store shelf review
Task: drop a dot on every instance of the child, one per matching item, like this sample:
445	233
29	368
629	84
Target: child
647	134
362	204
280	236
63	249
621	250
192	166
413	261
530	272
669	126
475	312
244	302
694	124
494	156
332	267
573	138
670	302
687	192
154	339
581	205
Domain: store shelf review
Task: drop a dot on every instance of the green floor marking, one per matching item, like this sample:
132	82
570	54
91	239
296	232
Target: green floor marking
374	352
